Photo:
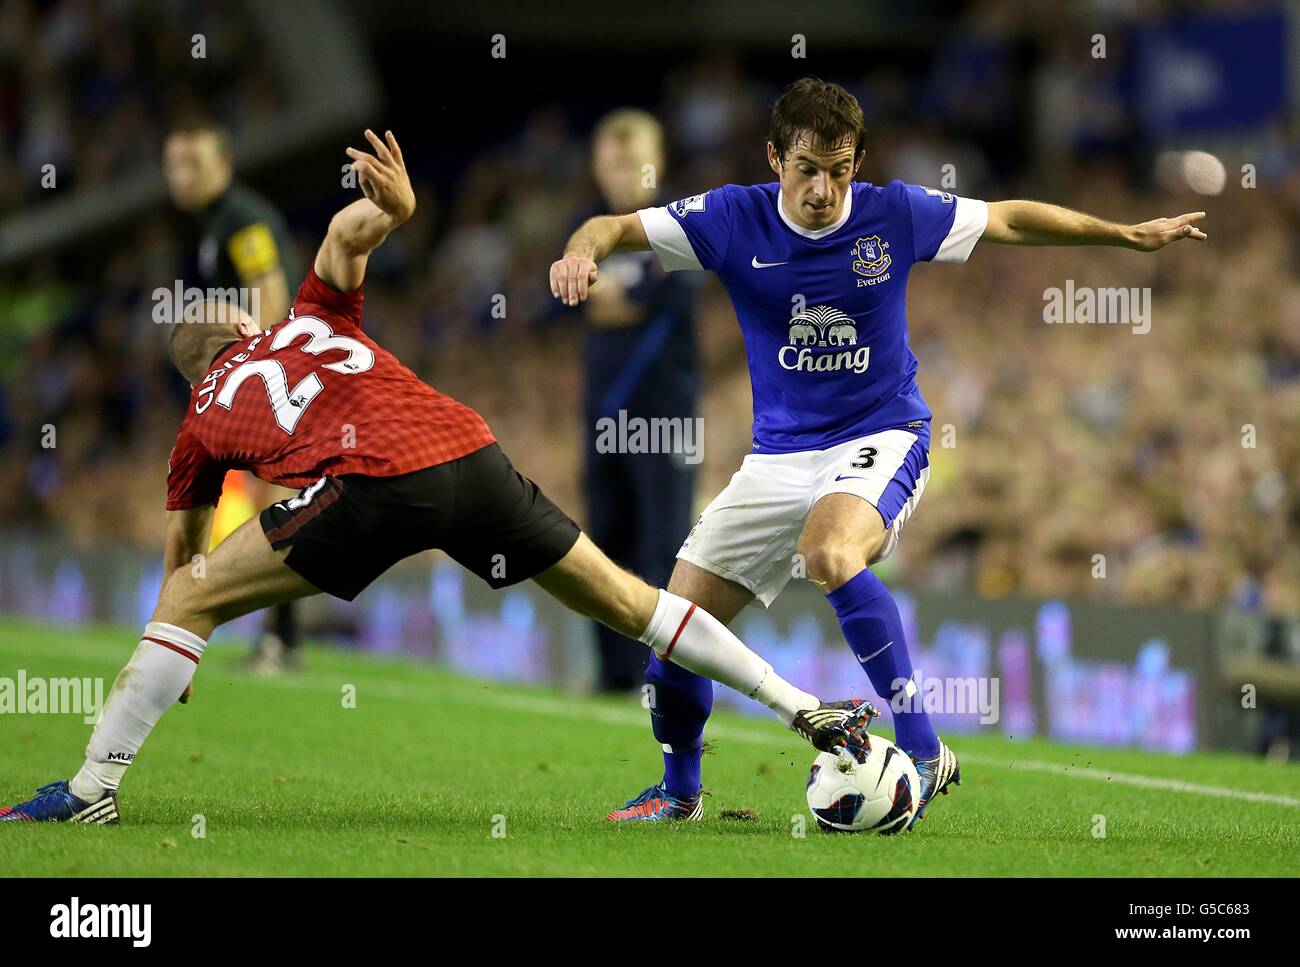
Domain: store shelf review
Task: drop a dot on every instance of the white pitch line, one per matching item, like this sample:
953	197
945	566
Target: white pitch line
1032	765
1133	779
636	718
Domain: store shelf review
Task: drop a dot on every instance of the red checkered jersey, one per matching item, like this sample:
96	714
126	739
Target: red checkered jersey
310	397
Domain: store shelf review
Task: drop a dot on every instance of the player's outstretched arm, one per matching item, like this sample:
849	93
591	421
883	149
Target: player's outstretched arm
574	273
361	227
1037	223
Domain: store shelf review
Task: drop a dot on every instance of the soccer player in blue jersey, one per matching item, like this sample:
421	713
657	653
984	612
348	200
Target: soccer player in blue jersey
816	265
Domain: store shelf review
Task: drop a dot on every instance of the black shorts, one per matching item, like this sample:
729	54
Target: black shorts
343	532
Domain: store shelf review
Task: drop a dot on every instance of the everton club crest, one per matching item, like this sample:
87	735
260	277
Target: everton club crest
869	256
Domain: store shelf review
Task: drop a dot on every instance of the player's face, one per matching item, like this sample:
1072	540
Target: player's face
196	169
815	181
619	165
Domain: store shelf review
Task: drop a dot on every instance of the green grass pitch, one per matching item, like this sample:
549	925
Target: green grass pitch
418	776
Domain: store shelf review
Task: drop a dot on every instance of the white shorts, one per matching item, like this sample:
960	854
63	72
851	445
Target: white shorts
748	533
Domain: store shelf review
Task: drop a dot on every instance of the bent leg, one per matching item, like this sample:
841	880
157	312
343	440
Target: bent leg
843	534
243	574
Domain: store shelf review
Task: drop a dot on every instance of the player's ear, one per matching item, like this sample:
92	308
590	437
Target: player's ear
773	161
857	161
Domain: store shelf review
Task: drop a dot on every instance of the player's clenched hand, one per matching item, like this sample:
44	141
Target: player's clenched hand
1159	232
383	176
571	277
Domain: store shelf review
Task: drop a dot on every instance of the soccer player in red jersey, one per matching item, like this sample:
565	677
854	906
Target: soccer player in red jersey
388	467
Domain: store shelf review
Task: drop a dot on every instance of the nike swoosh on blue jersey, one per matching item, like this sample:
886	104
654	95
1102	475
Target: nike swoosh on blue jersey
765	265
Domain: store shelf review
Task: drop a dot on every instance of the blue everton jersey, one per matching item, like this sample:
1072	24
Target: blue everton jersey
822	312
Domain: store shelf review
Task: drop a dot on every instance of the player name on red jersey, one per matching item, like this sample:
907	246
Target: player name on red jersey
314	396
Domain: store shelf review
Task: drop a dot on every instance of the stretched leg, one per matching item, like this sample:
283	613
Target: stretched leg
588	582
243	574
612	513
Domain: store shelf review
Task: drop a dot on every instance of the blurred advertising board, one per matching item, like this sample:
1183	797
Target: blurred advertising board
1079	672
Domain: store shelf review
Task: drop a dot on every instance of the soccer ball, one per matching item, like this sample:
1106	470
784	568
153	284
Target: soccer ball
874	788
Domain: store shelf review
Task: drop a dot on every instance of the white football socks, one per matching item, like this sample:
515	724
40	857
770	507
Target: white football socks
151	683
680	631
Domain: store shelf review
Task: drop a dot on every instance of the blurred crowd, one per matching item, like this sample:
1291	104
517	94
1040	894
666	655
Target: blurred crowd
1086	461
88	85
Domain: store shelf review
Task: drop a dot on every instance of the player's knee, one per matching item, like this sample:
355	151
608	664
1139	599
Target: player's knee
176	589
831	564
180	602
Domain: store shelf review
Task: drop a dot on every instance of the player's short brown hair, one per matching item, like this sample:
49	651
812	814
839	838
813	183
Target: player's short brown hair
201	124
200	332
825	113
625	123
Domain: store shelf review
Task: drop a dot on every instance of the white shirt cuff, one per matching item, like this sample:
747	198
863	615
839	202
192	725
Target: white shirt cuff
668	240
968	224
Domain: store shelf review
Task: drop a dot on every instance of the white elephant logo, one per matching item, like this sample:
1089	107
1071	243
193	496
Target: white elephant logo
802	334
823	326
842	335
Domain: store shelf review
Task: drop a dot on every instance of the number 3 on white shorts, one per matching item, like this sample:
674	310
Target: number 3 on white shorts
866	458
